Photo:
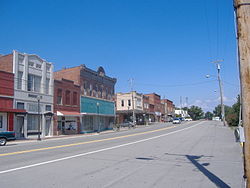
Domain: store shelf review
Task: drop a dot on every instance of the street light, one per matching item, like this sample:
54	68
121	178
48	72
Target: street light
97	105
39	118
221	90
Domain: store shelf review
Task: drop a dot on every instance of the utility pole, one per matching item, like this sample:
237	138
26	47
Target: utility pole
242	10
181	105
221	91
132	92
187	102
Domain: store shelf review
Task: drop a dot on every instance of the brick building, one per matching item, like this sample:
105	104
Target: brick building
33	82
126	103
66	107
7	112
97	96
168	110
155	107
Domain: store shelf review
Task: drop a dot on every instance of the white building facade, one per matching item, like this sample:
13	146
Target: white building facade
33	91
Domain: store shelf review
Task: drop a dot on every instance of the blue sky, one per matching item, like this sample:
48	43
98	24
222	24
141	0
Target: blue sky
165	46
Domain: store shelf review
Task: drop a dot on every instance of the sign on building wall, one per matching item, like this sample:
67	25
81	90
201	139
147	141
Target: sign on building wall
97	106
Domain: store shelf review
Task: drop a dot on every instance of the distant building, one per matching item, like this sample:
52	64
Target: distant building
97	96
66	107
168	110
126	103
155	106
33	80
182	113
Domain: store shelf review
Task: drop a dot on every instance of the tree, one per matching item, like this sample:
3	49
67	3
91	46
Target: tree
209	115
231	113
195	112
217	110
233	117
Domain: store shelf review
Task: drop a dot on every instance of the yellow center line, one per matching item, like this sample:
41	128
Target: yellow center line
81	143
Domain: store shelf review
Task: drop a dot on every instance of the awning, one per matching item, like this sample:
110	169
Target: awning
67	113
13	110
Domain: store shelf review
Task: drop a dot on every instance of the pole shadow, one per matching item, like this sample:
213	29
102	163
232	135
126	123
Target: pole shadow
212	177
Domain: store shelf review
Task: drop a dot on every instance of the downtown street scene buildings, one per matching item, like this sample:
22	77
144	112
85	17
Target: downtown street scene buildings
77	100
33	82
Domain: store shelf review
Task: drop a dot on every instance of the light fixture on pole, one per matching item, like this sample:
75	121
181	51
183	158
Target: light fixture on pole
97	105
39	118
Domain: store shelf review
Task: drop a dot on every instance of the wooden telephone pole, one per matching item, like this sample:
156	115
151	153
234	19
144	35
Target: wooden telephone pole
242	10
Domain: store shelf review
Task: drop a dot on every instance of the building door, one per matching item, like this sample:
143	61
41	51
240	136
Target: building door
19	128
48	126
3	121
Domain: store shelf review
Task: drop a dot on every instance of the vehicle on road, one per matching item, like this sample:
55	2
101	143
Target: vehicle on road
176	121
128	124
188	119
6	136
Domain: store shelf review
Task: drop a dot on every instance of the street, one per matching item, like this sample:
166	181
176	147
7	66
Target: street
192	154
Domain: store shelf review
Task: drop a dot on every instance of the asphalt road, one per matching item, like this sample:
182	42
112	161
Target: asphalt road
193	154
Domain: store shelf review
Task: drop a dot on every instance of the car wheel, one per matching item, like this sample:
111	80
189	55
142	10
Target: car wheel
3	141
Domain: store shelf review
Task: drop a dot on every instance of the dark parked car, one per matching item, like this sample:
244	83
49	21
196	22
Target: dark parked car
6	136
126	124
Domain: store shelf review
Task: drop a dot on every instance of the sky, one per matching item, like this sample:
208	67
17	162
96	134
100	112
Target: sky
165	46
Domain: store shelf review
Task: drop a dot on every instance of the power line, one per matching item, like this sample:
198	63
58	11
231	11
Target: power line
178	85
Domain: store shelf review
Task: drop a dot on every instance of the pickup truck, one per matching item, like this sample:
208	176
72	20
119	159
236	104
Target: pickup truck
6	136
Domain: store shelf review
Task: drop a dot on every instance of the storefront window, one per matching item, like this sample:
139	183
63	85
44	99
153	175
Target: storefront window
32	122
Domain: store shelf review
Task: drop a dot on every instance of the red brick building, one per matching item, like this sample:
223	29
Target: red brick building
155	106
7	112
97	96
167	109
66	107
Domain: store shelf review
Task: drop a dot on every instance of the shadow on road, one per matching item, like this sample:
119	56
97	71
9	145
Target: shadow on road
212	177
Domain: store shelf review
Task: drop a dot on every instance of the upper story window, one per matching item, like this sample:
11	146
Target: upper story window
75	98
67	97
129	102
48	108
20	105
48	67
34	83
31	64
59	96
19	79
138	102
122	104
47	86
20	59
90	90
39	66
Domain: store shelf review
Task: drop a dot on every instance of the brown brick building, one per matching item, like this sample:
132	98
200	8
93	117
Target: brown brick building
97	96
66	107
167	109
155	106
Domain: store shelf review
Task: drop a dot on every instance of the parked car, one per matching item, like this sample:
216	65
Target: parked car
127	124
6	136
188	119
176	121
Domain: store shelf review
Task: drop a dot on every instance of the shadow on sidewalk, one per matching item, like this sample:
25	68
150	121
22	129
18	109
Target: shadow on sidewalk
212	177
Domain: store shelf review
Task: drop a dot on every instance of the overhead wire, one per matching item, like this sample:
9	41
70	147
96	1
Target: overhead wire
177	85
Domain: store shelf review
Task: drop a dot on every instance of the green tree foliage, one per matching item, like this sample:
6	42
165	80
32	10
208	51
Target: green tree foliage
217	110
231	113
232	118
195	112
209	115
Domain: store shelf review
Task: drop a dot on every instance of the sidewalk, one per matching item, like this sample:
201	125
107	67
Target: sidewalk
33	138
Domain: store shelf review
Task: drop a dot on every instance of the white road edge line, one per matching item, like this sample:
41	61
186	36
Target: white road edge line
96	151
